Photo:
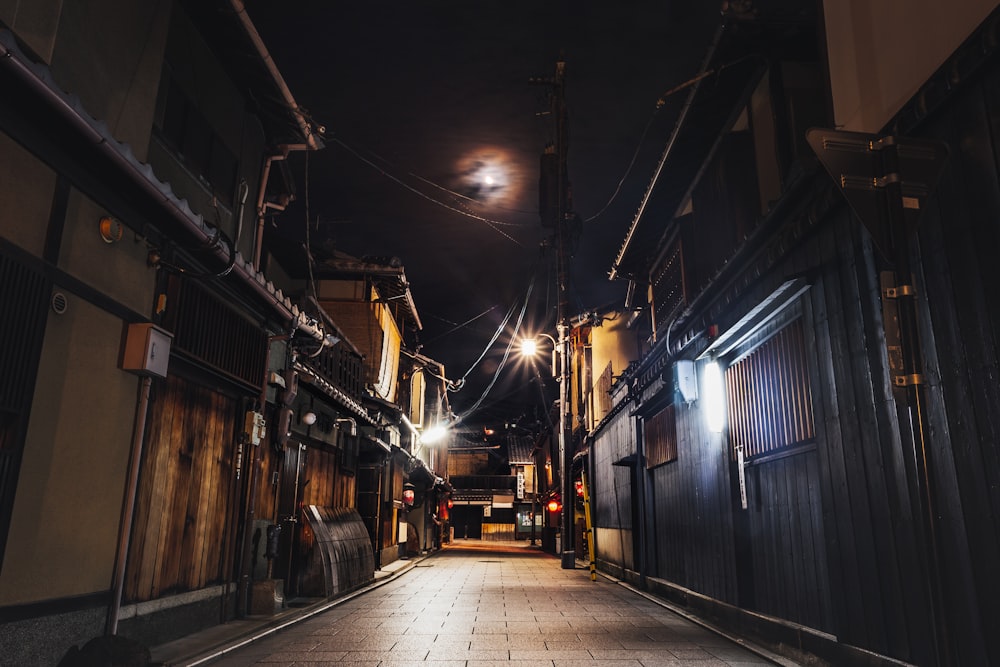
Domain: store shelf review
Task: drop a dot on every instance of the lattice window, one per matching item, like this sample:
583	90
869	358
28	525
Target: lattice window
768	393
667	285
660	437
206	329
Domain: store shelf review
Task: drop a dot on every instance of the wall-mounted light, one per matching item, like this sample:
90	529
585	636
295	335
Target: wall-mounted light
714	394
308	418
111	229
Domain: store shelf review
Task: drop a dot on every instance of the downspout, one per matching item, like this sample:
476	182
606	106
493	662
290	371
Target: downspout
304	125
263	206
128	508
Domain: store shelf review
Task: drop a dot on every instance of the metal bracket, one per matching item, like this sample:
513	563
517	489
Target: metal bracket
908	380
899	291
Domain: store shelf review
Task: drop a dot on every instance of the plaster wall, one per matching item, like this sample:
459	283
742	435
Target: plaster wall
881	52
34	21
68	503
118	270
26	188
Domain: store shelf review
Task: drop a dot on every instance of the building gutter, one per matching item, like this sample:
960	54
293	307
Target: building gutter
38	79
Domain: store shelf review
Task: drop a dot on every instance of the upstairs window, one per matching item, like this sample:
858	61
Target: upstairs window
186	131
667	286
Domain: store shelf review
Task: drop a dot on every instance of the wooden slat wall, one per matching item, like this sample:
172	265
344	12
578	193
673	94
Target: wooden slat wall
959	237
182	533
323	482
785	517
691	511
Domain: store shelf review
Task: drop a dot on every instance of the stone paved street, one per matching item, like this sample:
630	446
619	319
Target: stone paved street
477	606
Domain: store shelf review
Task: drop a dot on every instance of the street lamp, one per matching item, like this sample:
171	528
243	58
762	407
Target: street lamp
529	348
560	359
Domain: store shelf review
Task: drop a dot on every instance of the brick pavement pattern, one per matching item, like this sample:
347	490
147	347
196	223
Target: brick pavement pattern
480	606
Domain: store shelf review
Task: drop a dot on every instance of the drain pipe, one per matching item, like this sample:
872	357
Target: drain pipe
128	507
304	125
262	205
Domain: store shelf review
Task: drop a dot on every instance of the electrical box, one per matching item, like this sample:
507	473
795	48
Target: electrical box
686	380
146	349
254	426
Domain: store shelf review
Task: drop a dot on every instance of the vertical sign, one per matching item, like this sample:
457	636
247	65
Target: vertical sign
520	485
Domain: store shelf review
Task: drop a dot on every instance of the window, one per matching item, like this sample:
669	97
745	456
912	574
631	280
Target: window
187	132
667	285
660	437
768	393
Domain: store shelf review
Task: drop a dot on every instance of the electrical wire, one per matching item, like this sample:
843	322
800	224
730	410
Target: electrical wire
503	361
493	224
628	170
456	327
660	103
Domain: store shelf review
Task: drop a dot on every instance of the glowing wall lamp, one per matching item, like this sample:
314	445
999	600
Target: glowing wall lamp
714	396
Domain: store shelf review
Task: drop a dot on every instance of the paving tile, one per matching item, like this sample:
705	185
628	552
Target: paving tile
481	609
598	663
578	654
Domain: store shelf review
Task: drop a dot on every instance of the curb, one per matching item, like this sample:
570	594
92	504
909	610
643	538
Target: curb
267	628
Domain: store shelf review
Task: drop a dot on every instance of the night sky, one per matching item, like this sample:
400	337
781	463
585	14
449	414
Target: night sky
433	138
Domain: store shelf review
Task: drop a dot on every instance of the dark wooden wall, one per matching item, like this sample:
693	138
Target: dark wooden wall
689	510
835	536
959	237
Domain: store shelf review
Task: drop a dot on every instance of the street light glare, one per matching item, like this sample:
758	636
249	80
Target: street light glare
433	435
529	347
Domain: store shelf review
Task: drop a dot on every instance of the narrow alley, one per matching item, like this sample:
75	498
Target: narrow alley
488	603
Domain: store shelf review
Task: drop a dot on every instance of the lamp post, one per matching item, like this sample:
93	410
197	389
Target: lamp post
556	211
561	371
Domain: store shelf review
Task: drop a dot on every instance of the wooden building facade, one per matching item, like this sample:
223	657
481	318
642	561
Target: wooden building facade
184	430
767	463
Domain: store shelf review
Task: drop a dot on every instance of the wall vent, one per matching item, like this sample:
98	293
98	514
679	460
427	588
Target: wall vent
59	303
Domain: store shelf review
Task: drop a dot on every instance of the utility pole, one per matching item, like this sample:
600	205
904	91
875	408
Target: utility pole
555	209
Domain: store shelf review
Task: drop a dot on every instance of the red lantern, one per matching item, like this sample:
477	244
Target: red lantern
408	493
554	505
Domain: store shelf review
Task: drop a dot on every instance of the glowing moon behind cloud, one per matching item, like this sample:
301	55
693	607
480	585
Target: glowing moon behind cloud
488	175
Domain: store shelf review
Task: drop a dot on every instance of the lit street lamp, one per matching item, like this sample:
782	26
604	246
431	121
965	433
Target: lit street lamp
560	360
529	348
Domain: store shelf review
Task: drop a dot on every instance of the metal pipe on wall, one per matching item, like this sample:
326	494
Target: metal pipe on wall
128	507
